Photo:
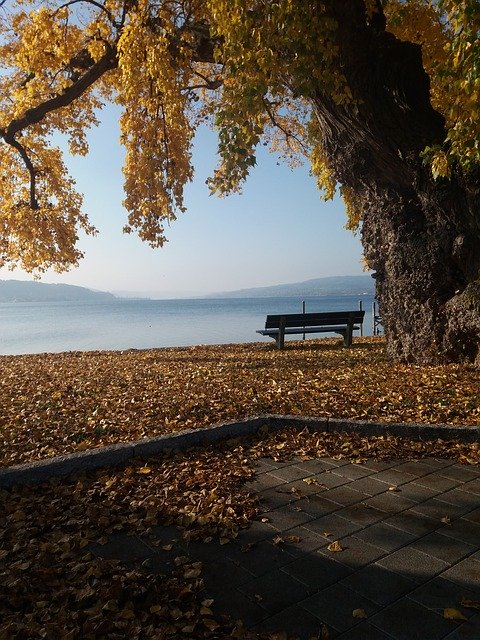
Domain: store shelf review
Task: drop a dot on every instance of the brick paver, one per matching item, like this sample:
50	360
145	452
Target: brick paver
410	534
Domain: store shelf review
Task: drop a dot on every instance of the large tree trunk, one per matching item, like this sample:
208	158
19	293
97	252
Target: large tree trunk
421	236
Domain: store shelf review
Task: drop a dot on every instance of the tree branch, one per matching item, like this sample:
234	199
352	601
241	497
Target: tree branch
35	115
31	170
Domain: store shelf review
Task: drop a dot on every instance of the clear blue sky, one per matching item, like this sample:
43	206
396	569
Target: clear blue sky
278	230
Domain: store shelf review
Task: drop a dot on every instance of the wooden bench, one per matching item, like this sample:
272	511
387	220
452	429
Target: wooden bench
342	322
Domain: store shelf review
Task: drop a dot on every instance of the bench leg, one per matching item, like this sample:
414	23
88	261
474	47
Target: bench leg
347	337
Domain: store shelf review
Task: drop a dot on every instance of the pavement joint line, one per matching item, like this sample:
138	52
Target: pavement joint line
43	470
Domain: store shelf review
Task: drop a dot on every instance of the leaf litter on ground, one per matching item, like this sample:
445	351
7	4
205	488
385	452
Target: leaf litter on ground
53	586
52	404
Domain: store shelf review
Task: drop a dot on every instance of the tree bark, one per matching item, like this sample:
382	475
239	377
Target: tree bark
420	236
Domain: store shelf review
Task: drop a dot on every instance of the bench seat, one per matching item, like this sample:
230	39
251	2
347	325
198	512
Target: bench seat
341	322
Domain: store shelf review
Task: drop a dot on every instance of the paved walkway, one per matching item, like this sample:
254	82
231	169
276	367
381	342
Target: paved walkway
410	539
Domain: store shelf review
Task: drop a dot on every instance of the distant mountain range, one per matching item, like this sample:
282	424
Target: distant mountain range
26	291
333	285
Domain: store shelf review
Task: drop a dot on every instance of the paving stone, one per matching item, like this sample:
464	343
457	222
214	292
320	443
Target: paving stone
204	551
468	631
316	570
443	547
263	465
315	466
275	591
309	541
295	621
353	471
370	486
123	547
261	558
439	593
356	553
341	462
413	564
337	526
413	522
472	487
461	498
438	482
263	481
457	472
224	574
361	514
334	606
407	620
439	463
438	509
417	468
316	505
465	530
345	495
417	493
331	480
274	498
379	465
288	474
394	476
307	486
390	502
286	518
364	631
384	536
379	584
473	516
465	573
256	532
236	605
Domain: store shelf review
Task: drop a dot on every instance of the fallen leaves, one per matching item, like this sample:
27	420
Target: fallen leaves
453	614
47	533
52	404
335	547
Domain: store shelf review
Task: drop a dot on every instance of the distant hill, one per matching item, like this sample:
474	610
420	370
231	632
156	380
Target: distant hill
26	291
331	286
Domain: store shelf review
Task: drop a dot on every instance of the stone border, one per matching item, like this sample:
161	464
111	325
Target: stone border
43	470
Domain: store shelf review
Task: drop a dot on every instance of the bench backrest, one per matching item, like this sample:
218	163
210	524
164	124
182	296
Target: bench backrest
315	319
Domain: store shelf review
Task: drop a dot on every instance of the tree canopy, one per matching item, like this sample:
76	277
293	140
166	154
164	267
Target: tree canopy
247	67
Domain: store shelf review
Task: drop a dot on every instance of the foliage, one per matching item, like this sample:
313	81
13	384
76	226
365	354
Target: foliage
58	403
249	67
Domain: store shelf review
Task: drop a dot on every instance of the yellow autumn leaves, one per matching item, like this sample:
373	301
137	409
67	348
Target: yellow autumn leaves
246	67
57	403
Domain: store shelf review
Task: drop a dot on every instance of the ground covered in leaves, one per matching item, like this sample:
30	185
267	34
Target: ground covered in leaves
52	586
52	404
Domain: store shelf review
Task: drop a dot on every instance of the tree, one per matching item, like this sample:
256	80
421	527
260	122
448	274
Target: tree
381	97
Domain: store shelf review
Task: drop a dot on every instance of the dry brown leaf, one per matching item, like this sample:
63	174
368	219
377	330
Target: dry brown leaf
359	613
446	520
393	488
453	614
335	547
470	604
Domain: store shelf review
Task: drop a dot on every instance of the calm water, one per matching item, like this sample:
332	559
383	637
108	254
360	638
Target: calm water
140	324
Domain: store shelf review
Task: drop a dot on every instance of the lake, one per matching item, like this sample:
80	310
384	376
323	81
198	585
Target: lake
140	324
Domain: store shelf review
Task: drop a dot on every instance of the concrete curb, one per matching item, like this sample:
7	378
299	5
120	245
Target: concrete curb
43	470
